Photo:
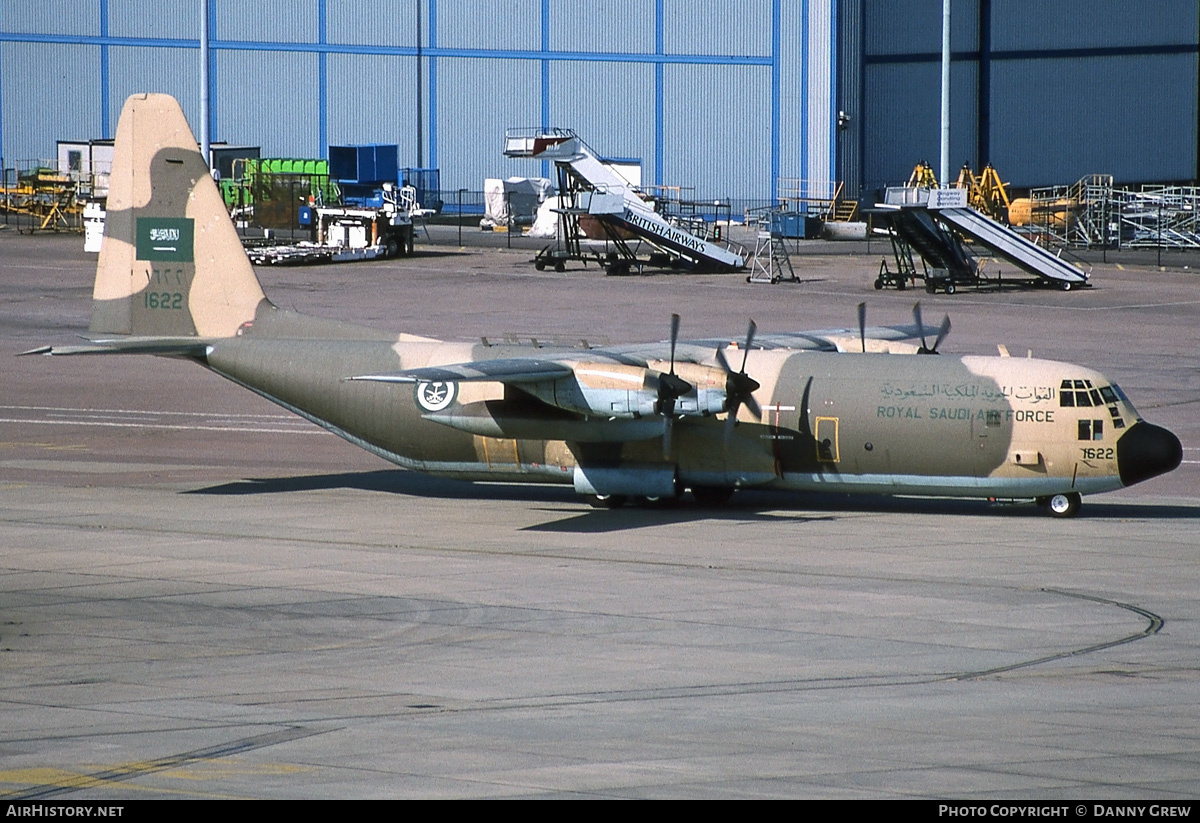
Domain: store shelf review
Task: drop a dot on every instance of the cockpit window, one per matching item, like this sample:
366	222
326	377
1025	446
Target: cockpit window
1082	393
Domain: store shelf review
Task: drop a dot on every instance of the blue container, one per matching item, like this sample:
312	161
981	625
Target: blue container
788	224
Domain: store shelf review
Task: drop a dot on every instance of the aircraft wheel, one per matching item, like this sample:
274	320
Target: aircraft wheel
606	501
1062	505
878	283
711	496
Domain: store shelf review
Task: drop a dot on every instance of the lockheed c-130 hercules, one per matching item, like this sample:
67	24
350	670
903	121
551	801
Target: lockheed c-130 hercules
823	411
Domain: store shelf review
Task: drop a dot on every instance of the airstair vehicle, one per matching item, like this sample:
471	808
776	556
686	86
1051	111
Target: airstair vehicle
932	223
591	187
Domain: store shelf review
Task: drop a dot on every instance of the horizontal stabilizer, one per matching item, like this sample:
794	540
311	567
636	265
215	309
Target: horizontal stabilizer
513	370
165	346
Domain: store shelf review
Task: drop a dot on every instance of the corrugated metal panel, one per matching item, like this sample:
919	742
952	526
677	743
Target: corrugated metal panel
819	97
51	93
387	24
576	87
716	130
915	26
901	120
280	21
730	27
372	99
178	19
1058	120
489	24
176	72
601	25
1065	24
477	100
806	98
50	17
849	97
268	99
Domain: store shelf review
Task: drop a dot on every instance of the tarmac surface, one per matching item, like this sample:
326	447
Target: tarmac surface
205	597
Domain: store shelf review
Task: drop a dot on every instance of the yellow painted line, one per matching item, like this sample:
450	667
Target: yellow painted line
41	783
54	447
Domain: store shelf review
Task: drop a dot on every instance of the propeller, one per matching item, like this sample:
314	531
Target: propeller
942	331
739	386
862	325
670	388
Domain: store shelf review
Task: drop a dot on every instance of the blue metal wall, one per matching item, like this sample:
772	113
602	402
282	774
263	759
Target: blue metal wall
722	97
1046	91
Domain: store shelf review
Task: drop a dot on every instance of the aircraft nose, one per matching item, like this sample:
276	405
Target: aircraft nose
1146	451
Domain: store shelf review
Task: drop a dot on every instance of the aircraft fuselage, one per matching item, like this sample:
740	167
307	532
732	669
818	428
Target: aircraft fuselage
897	424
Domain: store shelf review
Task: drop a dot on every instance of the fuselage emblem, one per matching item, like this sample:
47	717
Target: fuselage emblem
433	397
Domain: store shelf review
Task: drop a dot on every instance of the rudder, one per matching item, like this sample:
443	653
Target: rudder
171	263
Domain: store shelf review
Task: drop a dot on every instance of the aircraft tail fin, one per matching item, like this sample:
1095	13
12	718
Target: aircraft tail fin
171	263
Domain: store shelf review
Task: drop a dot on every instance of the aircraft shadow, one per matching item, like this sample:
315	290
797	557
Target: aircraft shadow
599	521
394	481
747	506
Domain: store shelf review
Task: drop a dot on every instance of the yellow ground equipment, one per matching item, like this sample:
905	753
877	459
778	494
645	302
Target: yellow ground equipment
47	198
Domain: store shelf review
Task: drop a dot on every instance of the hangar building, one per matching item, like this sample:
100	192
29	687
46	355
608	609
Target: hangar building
723	96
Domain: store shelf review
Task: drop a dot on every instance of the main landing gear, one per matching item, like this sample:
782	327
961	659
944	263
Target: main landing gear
708	497
1061	505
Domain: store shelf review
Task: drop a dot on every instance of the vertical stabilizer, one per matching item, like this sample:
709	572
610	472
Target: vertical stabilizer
171	263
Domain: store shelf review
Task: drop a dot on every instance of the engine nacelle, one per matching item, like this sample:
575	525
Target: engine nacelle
708	394
617	390
600	390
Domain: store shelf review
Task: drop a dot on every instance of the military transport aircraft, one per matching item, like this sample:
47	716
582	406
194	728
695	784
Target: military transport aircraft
834	412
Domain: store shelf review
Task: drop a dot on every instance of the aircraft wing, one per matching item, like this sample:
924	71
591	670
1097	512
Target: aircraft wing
517	370
504	370
826	340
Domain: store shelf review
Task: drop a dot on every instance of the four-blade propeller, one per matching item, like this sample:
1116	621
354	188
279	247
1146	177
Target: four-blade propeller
739	386
670	388
942	332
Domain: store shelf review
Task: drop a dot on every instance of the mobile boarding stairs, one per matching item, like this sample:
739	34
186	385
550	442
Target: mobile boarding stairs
933	222
590	186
